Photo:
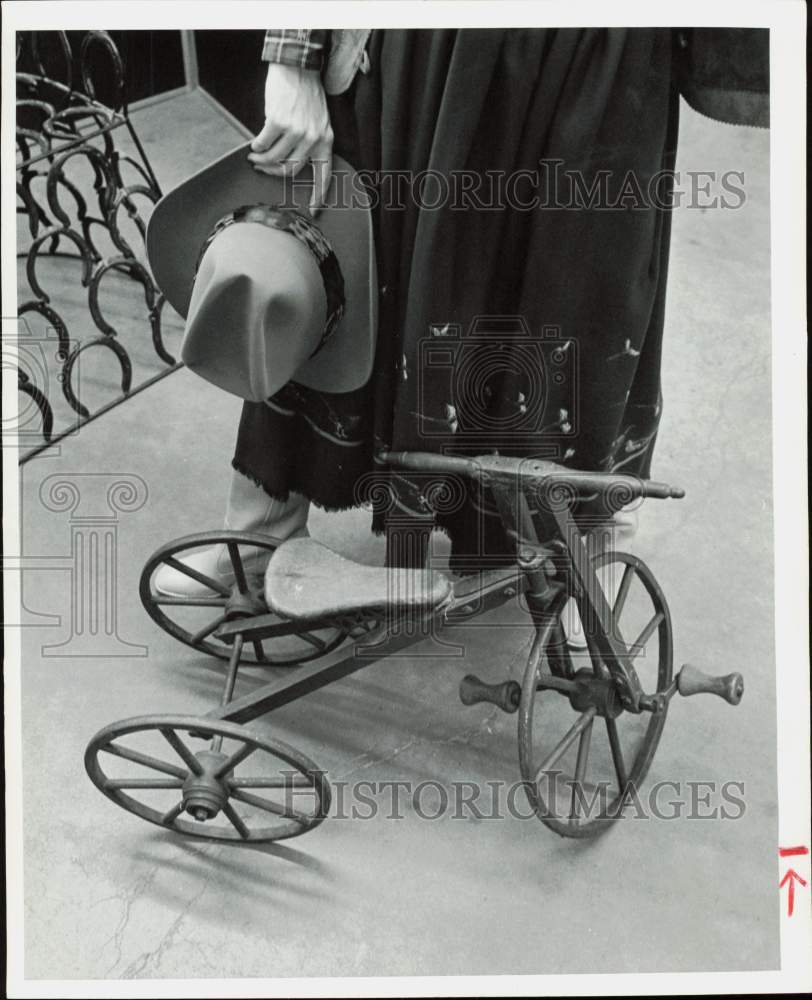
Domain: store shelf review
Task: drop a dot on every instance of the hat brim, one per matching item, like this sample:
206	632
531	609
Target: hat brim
183	219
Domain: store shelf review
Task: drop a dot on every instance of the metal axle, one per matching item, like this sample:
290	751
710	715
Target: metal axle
690	681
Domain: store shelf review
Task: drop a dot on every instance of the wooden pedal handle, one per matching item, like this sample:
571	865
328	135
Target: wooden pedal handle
506	695
692	681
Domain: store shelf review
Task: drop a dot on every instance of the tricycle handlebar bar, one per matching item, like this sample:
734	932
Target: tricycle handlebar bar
532	471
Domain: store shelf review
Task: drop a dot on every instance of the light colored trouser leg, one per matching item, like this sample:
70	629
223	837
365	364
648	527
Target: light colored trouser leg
601	539
249	509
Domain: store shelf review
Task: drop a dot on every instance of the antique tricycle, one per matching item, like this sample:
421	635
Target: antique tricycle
322	617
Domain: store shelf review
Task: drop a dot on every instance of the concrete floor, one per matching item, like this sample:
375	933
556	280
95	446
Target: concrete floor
110	896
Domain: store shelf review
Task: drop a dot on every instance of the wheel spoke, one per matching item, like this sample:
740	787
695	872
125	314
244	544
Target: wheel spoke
207	581
259	650
236	758
583	753
169	818
272	807
236	822
187	602
116	783
617	753
299	781
626	581
623	591
640	643
580	768
127	753
582	722
182	750
198	637
239	569
314	640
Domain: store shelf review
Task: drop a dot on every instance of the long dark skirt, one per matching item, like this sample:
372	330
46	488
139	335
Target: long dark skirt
522	181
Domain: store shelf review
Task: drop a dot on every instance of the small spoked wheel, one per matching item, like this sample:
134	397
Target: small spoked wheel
239	787
581	771
180	593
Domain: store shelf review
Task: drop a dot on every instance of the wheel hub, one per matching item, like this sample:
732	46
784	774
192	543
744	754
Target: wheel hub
239	605
204	795
595	692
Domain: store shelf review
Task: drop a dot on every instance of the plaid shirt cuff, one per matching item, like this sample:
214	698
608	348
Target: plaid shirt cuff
302	47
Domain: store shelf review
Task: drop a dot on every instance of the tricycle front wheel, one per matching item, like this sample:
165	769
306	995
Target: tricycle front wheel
580	771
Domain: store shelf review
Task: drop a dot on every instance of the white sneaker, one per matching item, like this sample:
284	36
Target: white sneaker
214	563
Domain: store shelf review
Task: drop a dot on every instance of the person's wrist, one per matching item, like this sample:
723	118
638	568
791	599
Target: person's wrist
294	72
314	62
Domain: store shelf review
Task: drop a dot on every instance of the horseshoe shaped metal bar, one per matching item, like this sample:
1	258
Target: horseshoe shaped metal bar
121	355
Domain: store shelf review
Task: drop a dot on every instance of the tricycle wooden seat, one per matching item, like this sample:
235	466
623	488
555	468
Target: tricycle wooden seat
306	580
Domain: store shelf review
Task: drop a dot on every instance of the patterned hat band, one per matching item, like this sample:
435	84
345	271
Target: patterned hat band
313	238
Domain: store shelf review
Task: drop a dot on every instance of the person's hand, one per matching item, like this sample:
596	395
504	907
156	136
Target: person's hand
297	128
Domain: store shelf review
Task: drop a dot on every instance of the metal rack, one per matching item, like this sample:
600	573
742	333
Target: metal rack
60	120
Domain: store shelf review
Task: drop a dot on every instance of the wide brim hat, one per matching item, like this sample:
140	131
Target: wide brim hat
269	293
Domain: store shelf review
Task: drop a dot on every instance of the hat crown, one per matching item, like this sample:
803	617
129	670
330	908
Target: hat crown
262	311
256	288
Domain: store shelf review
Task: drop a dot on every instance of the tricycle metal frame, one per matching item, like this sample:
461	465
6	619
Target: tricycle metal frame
538	574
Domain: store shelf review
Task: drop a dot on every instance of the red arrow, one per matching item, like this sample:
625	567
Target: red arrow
792	876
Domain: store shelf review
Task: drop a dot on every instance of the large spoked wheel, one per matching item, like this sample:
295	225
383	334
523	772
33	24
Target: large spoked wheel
580	771
240	787
194	619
